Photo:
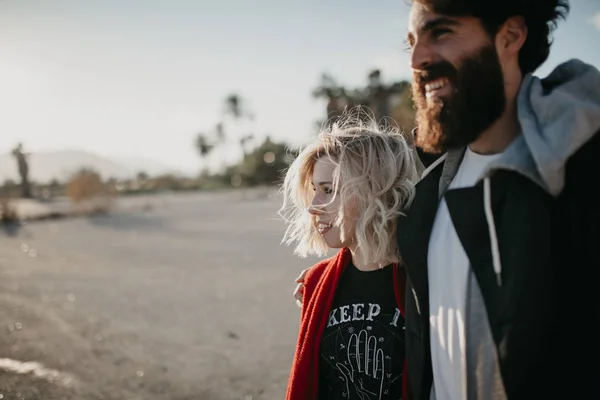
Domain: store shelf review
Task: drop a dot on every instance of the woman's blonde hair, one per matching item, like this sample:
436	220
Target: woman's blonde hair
376	168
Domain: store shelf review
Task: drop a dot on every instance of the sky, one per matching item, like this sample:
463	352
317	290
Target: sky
140	78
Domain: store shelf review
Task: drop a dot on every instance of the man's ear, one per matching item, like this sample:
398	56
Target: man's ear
512	36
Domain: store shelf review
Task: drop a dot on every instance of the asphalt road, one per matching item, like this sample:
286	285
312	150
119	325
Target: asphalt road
189	300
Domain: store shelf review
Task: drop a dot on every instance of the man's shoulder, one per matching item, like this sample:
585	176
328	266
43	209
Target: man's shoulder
587	155
436	166
582	169
428	184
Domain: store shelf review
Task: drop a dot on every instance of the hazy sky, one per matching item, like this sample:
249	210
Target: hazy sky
139	78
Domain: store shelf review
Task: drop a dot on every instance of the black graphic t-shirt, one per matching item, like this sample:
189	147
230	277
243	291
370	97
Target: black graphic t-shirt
362	349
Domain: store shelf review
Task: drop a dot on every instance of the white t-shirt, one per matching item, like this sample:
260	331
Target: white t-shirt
448	269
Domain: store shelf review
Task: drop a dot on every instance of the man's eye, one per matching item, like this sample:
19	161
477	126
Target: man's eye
327	190
436	33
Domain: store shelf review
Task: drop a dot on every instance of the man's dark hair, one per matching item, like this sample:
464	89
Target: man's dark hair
541	17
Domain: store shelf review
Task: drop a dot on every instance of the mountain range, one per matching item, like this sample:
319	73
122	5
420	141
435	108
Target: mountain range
45	166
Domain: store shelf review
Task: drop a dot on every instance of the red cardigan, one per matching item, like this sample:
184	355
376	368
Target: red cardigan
319	290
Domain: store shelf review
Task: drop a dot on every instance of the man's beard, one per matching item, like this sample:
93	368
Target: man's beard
476	102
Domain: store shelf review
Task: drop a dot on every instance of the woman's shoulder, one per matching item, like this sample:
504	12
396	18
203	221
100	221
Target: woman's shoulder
312	278
314	273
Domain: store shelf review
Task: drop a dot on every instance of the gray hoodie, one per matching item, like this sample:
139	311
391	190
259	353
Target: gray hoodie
558	115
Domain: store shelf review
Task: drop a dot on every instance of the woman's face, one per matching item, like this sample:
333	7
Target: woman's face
325	207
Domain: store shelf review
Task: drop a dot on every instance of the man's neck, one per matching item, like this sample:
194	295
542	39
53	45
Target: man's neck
505	129
500	134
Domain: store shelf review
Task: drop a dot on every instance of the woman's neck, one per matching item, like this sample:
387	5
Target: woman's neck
362	265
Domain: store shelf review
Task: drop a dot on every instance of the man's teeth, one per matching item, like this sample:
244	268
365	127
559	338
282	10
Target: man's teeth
324	226
438	84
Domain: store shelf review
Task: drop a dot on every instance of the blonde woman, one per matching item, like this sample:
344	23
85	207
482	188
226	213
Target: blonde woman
345	191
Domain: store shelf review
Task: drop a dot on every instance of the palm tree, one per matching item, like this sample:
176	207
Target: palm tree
203	145
23	165
220	132
236	107
338	98
245	141
403	111
233	106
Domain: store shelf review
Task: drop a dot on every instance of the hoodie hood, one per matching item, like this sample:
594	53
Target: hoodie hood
558	115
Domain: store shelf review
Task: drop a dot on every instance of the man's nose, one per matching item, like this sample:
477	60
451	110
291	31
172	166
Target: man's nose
421	56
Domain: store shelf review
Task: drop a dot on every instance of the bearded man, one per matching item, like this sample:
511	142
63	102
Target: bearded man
501	243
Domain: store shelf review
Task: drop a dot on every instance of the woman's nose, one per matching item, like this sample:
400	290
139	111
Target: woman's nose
314	210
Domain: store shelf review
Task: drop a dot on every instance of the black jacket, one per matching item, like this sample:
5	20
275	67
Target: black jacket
542	307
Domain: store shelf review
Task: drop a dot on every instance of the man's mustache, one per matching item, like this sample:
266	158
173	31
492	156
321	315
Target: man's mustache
432	72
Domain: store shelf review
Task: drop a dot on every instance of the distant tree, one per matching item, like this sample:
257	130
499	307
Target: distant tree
9	184
234	128
237	108
378	97
167	182
385	101
203	145
245	142
233	106
220	133
142	176
23	166
8	190
264	165
337	97
54	187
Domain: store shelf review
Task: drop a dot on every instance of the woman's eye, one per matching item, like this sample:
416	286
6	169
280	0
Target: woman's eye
327	190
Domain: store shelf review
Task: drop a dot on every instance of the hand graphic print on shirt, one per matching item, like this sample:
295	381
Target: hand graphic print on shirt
360	341
365	362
